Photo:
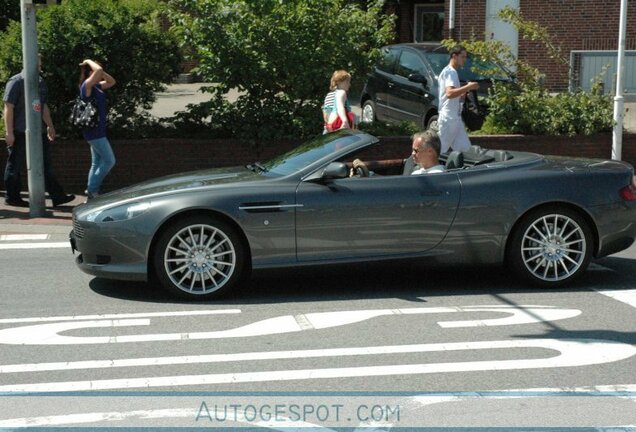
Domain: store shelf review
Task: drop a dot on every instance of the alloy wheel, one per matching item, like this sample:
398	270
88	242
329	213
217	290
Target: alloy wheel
553	247
200	259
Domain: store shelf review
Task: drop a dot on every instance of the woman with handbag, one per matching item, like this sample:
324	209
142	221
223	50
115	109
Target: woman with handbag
93	83
336	110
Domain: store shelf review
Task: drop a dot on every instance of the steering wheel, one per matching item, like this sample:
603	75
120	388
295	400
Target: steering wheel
360	169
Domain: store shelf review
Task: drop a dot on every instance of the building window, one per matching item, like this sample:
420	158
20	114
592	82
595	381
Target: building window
429	22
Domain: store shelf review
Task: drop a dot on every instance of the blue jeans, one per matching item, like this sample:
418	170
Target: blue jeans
103	160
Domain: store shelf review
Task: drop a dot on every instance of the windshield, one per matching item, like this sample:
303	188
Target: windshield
310	152
474	69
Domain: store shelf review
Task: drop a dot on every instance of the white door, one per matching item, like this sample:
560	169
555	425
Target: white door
497	29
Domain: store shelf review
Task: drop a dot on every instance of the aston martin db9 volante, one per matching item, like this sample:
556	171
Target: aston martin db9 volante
200	233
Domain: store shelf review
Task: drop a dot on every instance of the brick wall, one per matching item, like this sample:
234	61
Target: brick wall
144	159
470	19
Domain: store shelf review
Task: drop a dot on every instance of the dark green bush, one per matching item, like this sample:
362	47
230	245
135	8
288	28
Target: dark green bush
390	129
9	11
534	111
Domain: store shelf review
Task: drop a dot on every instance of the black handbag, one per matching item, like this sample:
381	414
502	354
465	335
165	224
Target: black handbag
84	114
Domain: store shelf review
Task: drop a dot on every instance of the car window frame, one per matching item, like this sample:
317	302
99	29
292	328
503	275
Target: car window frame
390	48
423	70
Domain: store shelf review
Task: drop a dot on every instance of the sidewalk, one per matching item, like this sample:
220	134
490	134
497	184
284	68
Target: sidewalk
17	219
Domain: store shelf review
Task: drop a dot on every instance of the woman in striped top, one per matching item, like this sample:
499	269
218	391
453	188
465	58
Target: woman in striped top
336	103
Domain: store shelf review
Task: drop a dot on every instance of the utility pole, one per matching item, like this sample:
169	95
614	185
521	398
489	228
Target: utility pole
617	139
33	107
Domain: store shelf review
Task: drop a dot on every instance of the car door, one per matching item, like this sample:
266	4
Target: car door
374	216
380	82
409	100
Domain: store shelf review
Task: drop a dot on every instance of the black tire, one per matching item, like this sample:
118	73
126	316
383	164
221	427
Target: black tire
432	123
550	246
199	258
368	112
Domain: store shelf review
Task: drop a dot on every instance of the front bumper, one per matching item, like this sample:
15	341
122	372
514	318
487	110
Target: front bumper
108	256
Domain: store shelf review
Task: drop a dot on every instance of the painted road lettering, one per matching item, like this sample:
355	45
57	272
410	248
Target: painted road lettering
49	334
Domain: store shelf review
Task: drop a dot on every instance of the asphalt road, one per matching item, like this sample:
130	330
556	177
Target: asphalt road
382	345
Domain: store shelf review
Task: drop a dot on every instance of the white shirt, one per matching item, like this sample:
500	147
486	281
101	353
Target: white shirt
448	108
432	170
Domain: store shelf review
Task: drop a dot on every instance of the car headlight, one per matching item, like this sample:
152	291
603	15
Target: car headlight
119	213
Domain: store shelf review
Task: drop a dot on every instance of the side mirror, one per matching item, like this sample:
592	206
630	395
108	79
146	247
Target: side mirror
418	78
335	170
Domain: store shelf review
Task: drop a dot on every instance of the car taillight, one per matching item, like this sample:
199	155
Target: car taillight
629	192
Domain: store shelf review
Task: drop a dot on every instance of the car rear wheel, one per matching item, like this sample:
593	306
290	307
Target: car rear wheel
551	246
368	112
199	257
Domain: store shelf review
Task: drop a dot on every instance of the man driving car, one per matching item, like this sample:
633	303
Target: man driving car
425	148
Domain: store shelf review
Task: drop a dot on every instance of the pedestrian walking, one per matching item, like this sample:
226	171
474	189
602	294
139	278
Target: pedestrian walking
452	132
15	127
336	109
94	80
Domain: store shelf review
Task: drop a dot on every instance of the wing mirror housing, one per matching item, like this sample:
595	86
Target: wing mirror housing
335	170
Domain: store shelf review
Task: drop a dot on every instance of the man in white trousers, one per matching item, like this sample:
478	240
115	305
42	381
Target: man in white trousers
452	132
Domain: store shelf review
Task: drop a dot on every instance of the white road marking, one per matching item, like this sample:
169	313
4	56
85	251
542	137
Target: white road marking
627	296
23	237
251	356
580	352
83	418
52	245
48	334
116	316
616	388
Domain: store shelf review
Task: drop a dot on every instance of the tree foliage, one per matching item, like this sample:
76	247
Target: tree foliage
9	11
123	35
279	55
528	107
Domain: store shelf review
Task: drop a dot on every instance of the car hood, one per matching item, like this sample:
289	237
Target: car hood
179	183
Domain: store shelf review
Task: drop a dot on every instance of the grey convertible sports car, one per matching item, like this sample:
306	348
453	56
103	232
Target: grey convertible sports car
201	233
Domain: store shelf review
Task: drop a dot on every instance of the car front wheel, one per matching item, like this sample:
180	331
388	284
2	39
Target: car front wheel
199	257
551	246
432	123
368	112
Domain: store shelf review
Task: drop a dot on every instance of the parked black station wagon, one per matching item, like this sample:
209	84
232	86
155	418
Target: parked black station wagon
403	85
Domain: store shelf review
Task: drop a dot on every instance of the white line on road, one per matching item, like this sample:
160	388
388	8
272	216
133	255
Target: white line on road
626	296
51	245
114	316
23	237
580	352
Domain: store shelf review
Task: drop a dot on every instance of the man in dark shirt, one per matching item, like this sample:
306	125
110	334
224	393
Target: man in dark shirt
15	127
